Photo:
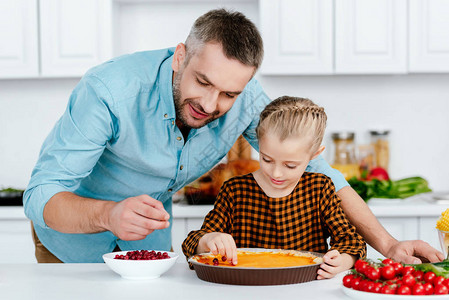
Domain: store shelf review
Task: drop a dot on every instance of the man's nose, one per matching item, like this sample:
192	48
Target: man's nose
211	101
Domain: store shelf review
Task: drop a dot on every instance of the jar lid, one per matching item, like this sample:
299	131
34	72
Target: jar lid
379	132
344	135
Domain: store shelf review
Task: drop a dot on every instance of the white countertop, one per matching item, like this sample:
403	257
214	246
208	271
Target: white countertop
97	281
419	205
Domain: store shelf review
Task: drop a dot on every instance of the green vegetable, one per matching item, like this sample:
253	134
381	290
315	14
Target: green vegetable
440	269
11	190
402	188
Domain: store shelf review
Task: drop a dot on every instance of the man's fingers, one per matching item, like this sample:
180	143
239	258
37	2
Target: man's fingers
152	208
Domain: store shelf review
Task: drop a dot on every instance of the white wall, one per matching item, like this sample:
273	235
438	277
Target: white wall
414	107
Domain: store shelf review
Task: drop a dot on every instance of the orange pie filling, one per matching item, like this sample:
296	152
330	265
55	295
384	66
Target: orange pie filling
268	259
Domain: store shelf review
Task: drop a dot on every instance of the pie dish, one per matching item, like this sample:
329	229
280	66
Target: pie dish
257	266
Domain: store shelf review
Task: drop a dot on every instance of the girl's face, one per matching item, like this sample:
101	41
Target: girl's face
282	163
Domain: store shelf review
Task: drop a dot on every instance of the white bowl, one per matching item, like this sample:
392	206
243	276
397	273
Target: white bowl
139	269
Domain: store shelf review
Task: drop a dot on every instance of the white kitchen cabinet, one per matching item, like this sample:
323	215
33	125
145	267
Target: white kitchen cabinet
19	39
428	232
401	228
370	36
17	243
75	35
297	36
429	36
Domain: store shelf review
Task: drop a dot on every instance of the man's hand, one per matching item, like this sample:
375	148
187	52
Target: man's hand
136	217
413	252
219	243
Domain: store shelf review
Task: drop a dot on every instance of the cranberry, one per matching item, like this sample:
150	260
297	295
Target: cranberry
143	255
223	258
215	261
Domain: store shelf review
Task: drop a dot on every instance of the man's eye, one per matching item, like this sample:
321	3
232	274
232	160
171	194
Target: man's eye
202	83
230	95
290	166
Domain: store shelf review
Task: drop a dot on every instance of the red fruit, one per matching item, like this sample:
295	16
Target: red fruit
372	273
404	290
419	275
397	267
428	288
407	270
347	280
387	289
387	261
429	277
223	258
446	282
440	289
387	272
378	173
370	287
377	287
361	266
356	283
438	280
215	261
408	280
418	289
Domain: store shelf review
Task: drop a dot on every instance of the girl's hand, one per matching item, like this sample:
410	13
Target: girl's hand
219	243
334	263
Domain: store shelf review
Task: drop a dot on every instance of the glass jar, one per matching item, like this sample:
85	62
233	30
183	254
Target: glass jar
379	140
345	159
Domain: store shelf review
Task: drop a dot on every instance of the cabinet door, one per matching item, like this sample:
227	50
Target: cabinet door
297	36
429	36
370	36
17	243
18	36
400	228
75	35
428	232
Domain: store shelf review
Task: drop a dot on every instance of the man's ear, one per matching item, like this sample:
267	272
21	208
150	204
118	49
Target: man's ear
178	57
318	152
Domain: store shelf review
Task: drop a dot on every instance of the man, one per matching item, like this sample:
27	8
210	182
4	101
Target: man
140	127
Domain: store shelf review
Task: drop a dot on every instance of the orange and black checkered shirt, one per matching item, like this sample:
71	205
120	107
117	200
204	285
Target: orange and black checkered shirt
302	220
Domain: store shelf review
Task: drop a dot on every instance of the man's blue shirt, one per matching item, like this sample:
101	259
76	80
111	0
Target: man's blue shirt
118	139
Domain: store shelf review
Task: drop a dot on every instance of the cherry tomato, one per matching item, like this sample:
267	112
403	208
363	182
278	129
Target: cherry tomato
407	270
387	272
404	290
408	280
428	288
429	277
387	289
418	275
446	282
387	261
418	289
356	283
363	285
440	289
438	280
370	287
377	287
397	267
373	273
361	266
347	280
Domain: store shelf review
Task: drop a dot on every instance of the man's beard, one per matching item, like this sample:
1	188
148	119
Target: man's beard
179	104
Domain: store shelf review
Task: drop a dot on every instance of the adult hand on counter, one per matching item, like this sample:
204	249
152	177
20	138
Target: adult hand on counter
136	217
414	252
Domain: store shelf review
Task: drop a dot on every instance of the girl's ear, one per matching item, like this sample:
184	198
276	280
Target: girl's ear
318	152
178	57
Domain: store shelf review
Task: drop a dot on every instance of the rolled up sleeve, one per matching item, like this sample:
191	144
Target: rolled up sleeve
73	147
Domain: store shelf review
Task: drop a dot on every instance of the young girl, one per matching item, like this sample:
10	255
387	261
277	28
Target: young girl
280	206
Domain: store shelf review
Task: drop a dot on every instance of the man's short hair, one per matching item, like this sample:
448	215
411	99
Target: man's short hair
237	35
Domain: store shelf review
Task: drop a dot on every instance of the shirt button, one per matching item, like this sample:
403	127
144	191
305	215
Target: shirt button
179	138
169	190
165	116
181	167
173	122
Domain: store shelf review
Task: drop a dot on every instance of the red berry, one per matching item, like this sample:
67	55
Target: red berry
215	261
223	258
441	289
404	290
